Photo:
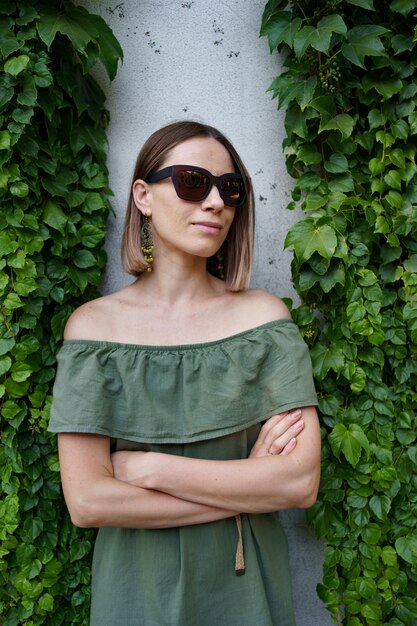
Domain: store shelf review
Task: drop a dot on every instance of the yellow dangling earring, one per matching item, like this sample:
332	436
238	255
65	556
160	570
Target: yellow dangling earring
147	242
220	266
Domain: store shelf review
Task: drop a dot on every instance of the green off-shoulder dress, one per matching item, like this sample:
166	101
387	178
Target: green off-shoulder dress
204	401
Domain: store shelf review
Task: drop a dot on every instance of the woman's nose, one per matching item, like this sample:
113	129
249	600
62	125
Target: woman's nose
214	201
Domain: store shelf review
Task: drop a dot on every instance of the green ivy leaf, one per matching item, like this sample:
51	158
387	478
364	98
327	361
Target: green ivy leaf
21	371
337	164
7	244
54	22
286	89
90	235
371	611
308	154
394	199
365	4
350	441
54	216
407	547
15	65
46	602
402	6
366	587
325	359
344	123
342	183
335	275
84	258
4	140
319	38
376	118
56	269
82	277
358	380
380	506
363	41
389	556
19	189
93	202
280	27
371	534
109	49
400	129
387	87
8	42
5	364
393	179
308	237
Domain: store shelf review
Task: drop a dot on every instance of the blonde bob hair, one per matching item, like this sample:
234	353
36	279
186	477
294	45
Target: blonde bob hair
237	249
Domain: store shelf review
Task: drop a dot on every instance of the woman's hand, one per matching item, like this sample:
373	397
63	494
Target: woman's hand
279	434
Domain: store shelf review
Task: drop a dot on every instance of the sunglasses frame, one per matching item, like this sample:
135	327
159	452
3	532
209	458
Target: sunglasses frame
172	170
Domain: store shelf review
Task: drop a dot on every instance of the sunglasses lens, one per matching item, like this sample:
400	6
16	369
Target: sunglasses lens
233	191
192	185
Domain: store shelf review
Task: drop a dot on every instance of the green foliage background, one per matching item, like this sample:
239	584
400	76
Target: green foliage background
53	190
350	88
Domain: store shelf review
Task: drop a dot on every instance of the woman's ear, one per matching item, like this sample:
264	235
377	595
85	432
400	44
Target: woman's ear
140	192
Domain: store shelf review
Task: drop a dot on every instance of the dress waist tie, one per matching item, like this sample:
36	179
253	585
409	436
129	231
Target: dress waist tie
240	559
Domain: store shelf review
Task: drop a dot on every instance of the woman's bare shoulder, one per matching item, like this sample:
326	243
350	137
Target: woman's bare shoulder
268	301
94	319
261	307
86	322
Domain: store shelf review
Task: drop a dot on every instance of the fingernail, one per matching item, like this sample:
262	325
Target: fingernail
296	413
299	425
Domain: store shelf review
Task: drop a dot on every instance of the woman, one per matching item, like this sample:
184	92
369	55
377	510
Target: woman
177	405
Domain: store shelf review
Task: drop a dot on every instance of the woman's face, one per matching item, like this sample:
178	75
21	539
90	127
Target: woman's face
189	228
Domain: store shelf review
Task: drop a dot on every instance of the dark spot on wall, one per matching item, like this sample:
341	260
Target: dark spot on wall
218	42
260	171
119	9
152	43
232	54
187	5
273	186
135	31
185	109
217	28
271	261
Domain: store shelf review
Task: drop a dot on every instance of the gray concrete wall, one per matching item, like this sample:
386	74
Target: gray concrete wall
191	59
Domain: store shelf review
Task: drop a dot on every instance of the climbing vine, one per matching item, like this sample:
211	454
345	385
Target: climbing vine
53	193
349	86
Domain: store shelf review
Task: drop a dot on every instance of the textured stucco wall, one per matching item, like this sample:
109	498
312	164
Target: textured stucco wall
191	59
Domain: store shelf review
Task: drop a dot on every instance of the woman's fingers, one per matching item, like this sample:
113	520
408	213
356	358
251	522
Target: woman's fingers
277	432
290	446
277	441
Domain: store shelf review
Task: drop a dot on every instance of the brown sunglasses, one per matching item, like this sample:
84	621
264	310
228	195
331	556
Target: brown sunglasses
194	183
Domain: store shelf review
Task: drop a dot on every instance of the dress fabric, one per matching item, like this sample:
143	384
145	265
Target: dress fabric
206	401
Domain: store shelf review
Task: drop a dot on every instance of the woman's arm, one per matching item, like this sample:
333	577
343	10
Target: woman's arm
254	485
96	499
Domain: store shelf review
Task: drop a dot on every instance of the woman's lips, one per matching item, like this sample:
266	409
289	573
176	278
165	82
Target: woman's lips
208	227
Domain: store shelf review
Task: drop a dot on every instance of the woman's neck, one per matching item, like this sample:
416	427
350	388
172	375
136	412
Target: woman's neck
178	284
